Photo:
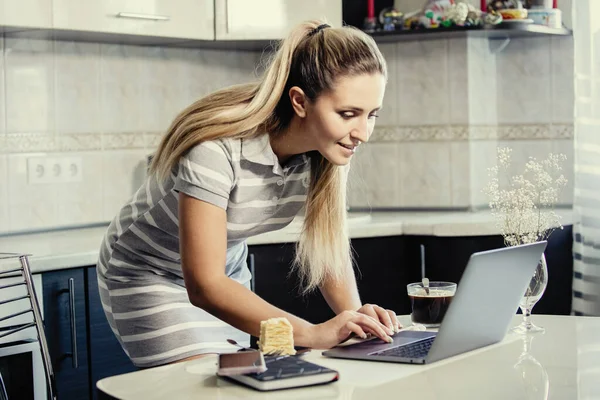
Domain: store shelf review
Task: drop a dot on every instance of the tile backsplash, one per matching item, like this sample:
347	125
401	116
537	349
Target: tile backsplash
448	104
108	104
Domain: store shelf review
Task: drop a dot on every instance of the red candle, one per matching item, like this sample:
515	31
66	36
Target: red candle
483	5
371	9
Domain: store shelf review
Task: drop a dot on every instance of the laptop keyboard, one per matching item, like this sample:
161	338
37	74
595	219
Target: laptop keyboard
412	350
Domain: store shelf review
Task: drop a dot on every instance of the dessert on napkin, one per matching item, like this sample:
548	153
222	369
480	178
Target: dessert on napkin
276	337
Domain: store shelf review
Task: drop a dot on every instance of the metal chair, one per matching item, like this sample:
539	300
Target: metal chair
37	322
3	395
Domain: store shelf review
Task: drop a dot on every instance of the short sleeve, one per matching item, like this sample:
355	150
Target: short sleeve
206	173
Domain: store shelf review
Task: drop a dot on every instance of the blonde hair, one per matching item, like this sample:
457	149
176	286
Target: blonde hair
311	59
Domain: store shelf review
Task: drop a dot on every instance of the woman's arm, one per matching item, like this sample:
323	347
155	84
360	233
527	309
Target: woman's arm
343	295
203	246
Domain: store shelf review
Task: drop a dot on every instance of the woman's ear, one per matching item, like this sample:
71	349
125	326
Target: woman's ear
298	100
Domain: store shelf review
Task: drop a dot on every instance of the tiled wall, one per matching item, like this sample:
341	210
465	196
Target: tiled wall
449	103
108	104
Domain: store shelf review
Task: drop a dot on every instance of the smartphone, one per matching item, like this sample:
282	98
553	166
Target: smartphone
245	362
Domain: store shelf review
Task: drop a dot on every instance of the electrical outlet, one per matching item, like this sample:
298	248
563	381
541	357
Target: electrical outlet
42	170
71	168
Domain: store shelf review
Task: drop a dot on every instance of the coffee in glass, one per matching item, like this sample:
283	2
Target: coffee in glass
429	305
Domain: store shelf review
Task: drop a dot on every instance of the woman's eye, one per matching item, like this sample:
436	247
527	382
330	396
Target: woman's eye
373	116
347	114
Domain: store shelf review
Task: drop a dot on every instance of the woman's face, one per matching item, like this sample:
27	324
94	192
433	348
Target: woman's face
340	119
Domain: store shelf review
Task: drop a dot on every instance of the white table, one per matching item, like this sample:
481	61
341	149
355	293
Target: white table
562	363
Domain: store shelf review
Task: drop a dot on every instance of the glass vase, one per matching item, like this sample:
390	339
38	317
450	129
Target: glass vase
533	293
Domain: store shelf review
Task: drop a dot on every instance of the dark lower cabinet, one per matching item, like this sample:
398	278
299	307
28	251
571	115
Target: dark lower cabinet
106	354
382	276
385	265
72	295
65	324
447	257
274	283
383	270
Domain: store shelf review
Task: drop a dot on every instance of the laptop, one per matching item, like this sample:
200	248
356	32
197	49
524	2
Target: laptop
479	315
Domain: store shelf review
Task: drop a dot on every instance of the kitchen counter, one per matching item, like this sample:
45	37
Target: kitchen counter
79	247
516	368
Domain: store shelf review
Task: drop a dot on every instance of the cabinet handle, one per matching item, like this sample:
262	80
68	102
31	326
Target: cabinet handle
73	325
151	17
252	283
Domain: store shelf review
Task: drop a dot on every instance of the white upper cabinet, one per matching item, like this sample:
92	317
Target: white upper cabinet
186	19
26	13
270	19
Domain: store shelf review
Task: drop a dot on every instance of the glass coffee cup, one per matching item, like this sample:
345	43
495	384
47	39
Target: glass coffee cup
429	305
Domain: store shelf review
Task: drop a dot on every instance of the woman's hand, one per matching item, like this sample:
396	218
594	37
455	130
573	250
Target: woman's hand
339	328
386	317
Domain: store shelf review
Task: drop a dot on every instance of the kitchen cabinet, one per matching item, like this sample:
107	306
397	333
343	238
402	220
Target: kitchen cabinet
185	19
269	19
384	268
65	325
385	265
72	307
382	276
26	13
447	257
273	283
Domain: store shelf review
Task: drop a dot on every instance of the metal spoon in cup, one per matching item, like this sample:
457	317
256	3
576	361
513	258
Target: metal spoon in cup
425	281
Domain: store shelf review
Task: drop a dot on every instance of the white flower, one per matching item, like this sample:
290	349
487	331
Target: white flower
523	205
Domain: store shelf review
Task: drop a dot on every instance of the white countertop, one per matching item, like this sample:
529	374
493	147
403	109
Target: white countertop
562	363
79	247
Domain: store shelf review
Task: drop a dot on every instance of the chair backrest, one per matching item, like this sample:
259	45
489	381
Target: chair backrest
3	395
25	271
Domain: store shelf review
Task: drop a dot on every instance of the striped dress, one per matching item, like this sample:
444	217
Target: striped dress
139	272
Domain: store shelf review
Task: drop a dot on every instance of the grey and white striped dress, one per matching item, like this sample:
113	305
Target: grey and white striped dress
139	272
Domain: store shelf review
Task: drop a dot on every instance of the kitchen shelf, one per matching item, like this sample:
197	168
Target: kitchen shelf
501	31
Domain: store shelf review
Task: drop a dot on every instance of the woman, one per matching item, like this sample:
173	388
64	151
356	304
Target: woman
239	162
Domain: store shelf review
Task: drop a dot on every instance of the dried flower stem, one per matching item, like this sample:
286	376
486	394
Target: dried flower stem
524	207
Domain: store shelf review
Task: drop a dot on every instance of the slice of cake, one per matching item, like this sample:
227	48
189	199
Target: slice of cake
276	336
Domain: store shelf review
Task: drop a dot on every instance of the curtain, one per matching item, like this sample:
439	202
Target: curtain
586	205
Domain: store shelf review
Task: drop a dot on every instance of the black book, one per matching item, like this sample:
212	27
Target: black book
285	372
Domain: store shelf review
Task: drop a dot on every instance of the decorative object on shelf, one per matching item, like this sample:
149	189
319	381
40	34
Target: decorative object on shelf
523	206
551	17
391	19
433	12
462	14
370	24
499	19
509	9
492	17
505	4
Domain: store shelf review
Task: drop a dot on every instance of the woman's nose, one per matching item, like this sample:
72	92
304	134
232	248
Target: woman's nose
361	132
